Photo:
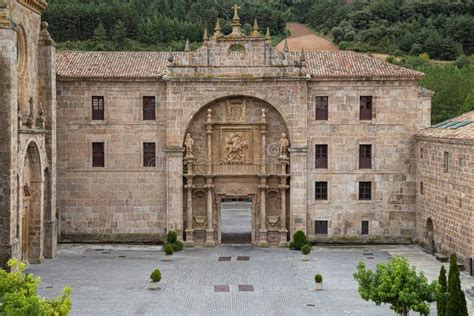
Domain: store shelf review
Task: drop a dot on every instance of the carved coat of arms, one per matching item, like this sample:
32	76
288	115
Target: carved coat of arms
236	110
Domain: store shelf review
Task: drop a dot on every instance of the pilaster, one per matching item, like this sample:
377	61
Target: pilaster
174	192
298	188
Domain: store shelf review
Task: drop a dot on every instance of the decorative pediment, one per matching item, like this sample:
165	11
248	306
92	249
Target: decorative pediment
36	5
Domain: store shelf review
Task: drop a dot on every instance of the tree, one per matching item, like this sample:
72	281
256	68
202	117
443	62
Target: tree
397	284
100	34
120	33
443	288
456	302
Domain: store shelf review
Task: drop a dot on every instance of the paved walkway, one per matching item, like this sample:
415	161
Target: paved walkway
112	280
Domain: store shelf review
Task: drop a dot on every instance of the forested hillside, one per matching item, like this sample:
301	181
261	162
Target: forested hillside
407	29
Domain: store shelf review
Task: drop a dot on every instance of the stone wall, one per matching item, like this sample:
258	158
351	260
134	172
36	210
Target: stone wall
391	212
124	201
447	198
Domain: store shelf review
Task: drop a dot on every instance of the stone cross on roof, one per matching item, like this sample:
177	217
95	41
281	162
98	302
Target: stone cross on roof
236	8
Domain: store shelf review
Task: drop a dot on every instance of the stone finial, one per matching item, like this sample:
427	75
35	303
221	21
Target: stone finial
217	29
206	36
187	47
255	29
236	21
171	57
45	37
267	35
286	49
302	58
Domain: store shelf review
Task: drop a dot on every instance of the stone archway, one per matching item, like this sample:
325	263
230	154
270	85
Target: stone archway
236	147
32	195
429	236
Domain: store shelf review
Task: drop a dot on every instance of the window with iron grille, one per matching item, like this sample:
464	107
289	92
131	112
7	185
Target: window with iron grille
366	108
365	156
98	155
321	190
322	108
97	108
149	104
321	227
446	161
321	159
149	155
364	228
365	190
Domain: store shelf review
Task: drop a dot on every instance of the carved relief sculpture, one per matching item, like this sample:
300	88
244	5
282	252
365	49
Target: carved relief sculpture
284	144
236	148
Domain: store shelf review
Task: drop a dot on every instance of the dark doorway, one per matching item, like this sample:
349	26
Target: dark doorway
236	221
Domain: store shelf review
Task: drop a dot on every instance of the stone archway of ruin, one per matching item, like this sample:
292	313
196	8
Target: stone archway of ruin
236	147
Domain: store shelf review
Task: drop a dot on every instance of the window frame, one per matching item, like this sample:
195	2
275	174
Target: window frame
149	162
323	196
446	161
364	161
321	108
321	162
149	112
363	191
325	230
98	114
95	163
364	100
362	231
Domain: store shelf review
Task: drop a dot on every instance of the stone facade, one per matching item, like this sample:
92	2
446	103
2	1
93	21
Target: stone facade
28	135
445	181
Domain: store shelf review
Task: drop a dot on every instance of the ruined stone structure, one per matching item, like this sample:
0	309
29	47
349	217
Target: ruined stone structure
155	141
445	176
28	133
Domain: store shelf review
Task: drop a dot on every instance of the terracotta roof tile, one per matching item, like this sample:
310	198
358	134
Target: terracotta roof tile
340	64
452	131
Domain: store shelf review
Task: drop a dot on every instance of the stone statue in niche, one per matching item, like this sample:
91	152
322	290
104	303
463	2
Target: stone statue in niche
284	144
236	148
189	143
236	110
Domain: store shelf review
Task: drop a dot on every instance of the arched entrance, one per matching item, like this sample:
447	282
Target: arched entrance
236	150
429	236
31	192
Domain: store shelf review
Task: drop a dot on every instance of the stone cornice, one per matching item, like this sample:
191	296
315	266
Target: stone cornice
36	5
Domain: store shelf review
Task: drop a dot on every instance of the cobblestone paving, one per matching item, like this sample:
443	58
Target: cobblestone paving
113	280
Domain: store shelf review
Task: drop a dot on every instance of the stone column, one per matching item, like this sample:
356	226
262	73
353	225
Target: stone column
298	188
263	211
210	230
174	190
283	230
209	141
47	103
263	133
189	213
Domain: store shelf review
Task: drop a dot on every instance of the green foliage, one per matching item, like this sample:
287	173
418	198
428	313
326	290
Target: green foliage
168	249
443	29
306	250
291	245
177	245
456	301
18	294
299	240
442	296
171	237
153	24
318	278
397	284
156	275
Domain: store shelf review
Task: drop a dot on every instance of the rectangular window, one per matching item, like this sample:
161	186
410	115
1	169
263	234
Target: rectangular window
149	108
365	156
364	228
365	191
422	152
97	108
321	227
421	188
446	161
321	190
322	108
98	155
366	108
321	159
149	155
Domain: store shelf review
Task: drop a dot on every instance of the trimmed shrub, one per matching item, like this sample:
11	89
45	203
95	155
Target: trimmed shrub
299	239
305	250
318	278
168	249
177	245
172	237
442	295
291	245
156	275
456	303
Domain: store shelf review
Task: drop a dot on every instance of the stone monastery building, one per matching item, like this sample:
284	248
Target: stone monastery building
125	146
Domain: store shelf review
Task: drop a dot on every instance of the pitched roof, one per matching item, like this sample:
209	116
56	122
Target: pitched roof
459	128
147	65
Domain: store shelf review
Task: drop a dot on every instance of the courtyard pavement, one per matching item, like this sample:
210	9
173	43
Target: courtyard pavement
113	280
